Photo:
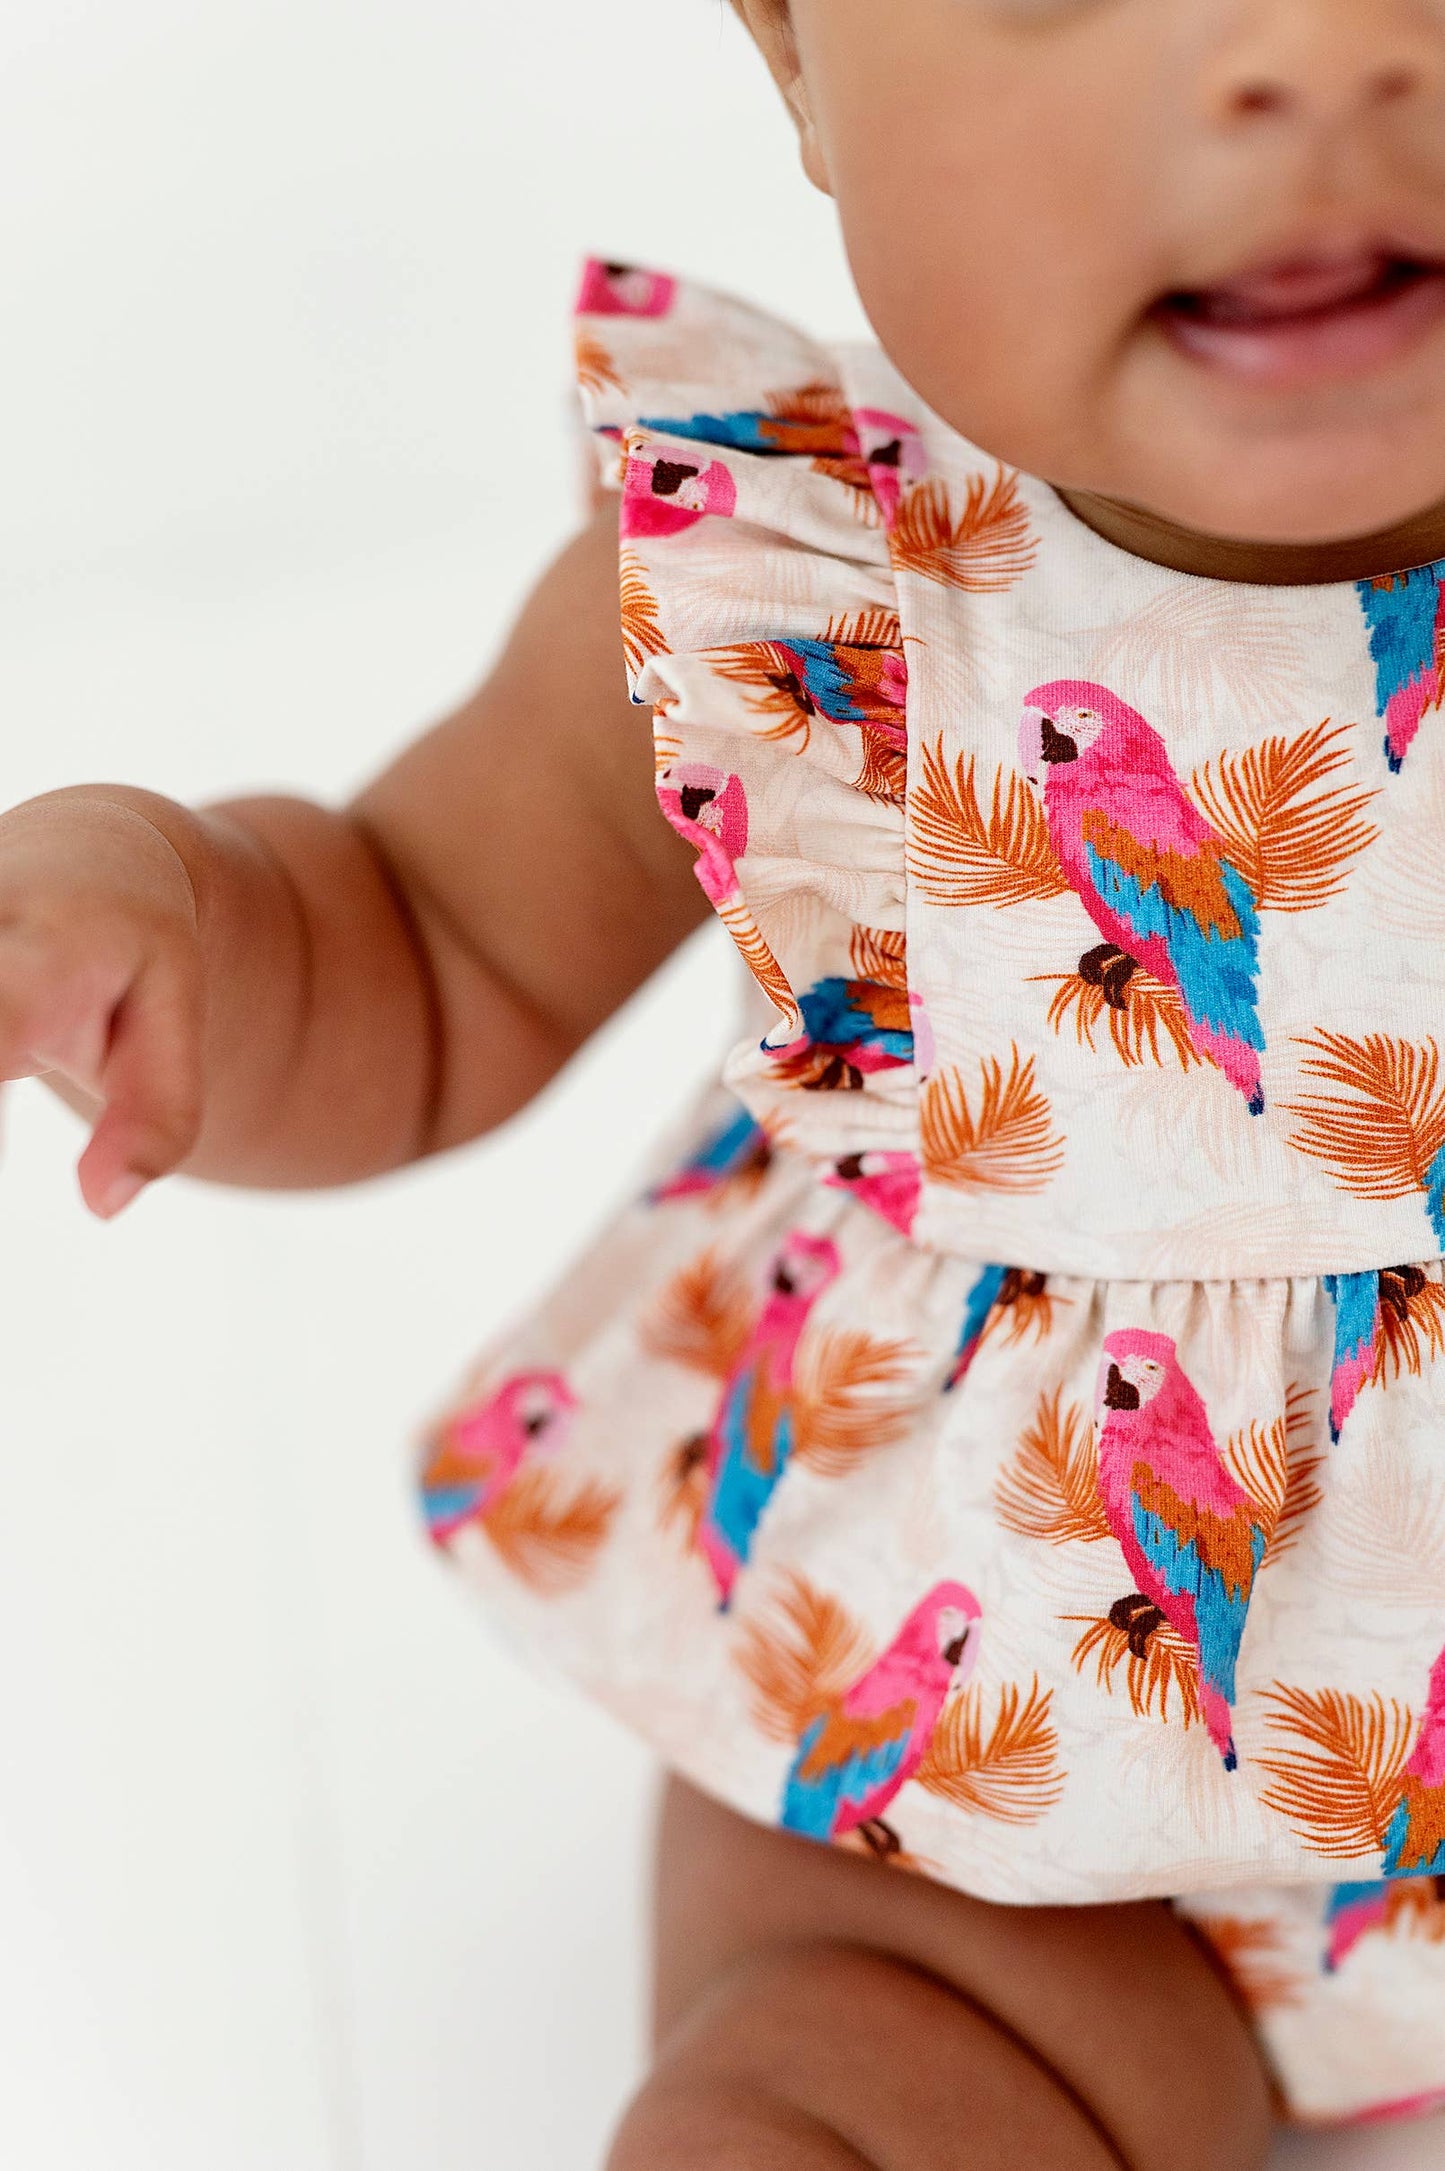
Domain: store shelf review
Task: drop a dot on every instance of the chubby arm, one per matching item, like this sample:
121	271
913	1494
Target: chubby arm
269	992
541	883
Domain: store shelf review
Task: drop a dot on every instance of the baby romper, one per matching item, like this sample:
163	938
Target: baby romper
1008	1437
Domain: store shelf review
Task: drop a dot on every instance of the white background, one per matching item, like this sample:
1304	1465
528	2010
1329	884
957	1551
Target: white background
297	1871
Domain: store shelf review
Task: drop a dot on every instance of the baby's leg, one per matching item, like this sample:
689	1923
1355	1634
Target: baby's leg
820	2012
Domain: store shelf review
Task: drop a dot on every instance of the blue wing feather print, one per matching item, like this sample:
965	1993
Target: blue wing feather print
1405	614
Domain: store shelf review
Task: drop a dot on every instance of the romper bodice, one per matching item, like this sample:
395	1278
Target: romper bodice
1101	907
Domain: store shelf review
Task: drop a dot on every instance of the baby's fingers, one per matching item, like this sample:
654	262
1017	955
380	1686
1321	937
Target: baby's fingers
151	1085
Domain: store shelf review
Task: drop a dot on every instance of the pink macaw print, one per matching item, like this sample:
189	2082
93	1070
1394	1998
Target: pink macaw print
754	1430
1384	1317
479	1452
849	682
1153	875
1192	1536
853	1030
855	1757
890	1183
665	491
624	290
1405	614
984	1294
893	452
734	1156
1357	1909
710	810
1357	1339
1352	1912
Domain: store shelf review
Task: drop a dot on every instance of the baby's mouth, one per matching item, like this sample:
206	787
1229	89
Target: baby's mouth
1308	319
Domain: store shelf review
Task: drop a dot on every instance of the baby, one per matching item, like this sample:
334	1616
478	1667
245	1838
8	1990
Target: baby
1005	1442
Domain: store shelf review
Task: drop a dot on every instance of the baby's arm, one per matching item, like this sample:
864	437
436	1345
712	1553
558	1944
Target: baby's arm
271	992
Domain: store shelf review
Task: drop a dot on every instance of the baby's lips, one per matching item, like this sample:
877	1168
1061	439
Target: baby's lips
1295	288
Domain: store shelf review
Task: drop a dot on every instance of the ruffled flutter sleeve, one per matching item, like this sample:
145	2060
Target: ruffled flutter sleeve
760	620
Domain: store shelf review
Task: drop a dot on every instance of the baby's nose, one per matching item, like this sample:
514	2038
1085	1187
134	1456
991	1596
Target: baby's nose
1324	62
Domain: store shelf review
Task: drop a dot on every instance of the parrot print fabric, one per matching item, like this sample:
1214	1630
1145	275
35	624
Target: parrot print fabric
849	1027
856	1756
756	1426
1192	1536
1153	876
729	1159
983	1299
1123	830
1000	1435
1052	1589
482	1449
1415	1835
1405	613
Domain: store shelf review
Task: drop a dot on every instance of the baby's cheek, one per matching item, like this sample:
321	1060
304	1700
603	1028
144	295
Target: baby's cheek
974	327
999	217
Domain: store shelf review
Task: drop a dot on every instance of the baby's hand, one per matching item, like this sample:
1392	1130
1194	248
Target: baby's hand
101	981
273	992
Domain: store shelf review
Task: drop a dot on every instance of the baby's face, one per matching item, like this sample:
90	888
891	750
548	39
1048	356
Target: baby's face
1187	253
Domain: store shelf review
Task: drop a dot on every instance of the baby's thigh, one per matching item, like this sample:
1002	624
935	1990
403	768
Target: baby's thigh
817	2011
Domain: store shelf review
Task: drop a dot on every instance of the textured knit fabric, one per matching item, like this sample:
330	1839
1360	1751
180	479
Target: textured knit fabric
1009	1435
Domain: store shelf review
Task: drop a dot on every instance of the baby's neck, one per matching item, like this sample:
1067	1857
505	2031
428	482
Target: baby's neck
1420	540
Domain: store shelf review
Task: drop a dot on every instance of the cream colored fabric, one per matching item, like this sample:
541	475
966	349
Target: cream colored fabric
1018	1449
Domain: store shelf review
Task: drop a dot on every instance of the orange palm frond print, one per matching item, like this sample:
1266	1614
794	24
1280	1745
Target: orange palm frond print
883	772
961	854
880	954
1023	1310
1003	1139
702	1319
1147	1026
1381	1141
876	627
819	405
799	1655
547	1533
1252	1955
776	694
758	957
848	1399
1293	841
684	1485
1049	1488
819	421
771	685
596	370
1011	1772
1340	1789
1165	1679
986	546
1412	1324
641	627
774	691
1274	1465
779	1129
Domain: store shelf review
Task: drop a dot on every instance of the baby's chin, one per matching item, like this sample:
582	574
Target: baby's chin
1299	472
1329	491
